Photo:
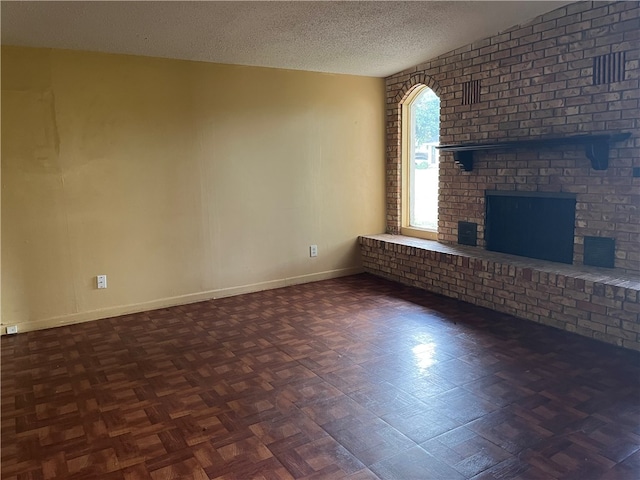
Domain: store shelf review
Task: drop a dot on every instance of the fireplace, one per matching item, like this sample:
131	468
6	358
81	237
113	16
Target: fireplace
531	224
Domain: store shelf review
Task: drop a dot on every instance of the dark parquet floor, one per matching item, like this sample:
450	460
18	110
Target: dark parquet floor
354	378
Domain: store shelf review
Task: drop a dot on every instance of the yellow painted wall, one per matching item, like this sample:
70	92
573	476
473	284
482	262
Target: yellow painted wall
179	180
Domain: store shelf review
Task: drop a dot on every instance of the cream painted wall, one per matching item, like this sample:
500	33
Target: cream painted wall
179	180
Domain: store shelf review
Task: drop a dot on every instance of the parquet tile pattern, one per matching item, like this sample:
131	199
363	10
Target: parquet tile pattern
353	378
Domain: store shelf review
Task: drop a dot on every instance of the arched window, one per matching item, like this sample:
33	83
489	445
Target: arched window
421	133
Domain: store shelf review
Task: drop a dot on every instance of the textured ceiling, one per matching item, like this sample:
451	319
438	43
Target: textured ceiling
369	38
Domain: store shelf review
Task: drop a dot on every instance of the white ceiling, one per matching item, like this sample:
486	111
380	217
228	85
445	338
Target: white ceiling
371	38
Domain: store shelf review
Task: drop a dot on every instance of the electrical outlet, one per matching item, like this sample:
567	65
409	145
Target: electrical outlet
101	281
13	329
313	250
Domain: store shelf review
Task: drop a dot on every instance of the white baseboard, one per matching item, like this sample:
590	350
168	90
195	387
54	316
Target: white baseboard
88	316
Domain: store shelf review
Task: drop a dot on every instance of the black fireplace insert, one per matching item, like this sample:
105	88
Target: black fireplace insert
531	224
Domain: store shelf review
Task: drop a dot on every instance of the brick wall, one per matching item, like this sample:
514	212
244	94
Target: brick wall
536	80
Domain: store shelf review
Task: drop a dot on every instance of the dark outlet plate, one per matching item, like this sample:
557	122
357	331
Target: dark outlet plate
468	233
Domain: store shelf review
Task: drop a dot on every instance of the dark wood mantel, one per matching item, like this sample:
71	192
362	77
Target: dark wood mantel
596	148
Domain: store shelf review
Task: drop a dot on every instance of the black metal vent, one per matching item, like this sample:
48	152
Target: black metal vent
471	92
608	68
468	233
599	251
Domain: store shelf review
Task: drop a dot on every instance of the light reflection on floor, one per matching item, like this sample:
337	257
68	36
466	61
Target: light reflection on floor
424	355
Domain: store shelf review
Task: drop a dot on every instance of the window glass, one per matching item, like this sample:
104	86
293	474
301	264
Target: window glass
424	133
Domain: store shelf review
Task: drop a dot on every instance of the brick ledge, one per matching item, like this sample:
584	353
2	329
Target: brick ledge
592	302
589	274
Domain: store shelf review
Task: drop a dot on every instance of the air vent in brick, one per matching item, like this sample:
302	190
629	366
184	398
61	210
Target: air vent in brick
471	92
608	68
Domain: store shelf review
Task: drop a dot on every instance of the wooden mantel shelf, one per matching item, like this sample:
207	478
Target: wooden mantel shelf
596	148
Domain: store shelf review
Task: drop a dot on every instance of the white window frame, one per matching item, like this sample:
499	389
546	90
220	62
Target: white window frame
406	150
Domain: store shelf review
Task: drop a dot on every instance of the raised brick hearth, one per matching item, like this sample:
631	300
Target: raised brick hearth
588	301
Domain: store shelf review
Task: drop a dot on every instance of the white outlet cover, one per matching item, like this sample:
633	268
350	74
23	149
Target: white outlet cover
12	330
101	281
